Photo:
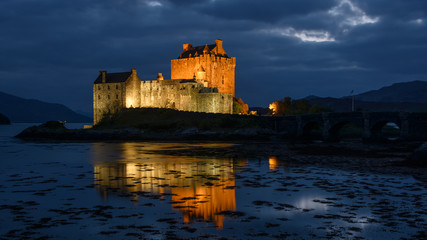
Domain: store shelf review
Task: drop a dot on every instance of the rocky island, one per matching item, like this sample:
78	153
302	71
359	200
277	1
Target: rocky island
160	124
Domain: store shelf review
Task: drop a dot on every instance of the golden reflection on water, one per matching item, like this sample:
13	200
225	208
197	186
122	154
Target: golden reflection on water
273	163
200	187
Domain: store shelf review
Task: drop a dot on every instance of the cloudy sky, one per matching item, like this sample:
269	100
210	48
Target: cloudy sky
52	50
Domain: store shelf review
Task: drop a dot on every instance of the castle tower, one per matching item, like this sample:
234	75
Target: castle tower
210	62
115	91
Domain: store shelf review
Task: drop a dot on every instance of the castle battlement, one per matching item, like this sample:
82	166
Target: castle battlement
202	80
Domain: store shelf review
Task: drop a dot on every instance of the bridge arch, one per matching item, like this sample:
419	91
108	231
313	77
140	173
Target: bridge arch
412	125
386	129
312	129
353	129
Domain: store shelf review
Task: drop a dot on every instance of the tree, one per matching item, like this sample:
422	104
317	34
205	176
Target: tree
301	106
239	107
289	107
318	109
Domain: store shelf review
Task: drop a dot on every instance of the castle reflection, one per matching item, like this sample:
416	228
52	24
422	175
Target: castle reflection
199	187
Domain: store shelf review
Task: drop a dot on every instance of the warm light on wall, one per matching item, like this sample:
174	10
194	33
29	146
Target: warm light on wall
130	102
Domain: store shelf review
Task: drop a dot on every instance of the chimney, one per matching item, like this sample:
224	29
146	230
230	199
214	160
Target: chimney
206	49
186	46
218	43
103	74
133	70
159	76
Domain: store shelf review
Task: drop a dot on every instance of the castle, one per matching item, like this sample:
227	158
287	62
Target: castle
202	80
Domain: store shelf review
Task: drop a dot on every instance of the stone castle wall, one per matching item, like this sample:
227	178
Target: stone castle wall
217	71
108	98
184	95
133	90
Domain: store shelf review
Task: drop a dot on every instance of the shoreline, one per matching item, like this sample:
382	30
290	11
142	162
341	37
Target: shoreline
389	158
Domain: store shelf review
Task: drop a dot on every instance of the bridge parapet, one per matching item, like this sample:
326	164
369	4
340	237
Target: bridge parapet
412	125
416	126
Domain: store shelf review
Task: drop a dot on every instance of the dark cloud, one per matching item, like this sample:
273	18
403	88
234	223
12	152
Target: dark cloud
266	11
52	50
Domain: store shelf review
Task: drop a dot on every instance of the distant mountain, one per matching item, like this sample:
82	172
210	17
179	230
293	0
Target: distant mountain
30	110
411	92
4	119
405	97
84	113
310	97
345	105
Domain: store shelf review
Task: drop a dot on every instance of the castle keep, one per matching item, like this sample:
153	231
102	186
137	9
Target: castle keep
202	80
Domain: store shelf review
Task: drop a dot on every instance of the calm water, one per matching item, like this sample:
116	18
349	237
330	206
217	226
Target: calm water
124	191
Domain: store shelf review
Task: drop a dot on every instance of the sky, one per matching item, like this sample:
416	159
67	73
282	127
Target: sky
52	50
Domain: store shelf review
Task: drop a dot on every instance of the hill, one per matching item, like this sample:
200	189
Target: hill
170	119
411	92
344	105
30	110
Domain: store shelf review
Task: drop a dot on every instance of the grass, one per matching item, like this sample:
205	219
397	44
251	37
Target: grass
160	119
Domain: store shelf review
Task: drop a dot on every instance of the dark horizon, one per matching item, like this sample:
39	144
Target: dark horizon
53	50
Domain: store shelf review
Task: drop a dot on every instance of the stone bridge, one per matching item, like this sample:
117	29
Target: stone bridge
413	126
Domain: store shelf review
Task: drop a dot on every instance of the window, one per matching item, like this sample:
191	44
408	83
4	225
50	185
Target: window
117	86
108	96
99	87
117	96
99	96
222	79
108	87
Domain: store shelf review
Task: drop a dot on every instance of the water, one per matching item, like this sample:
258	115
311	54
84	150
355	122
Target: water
130	191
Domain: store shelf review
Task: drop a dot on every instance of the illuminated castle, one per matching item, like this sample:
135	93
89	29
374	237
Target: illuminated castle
202	80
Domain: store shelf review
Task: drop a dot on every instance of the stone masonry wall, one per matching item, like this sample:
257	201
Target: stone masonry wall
192	96
133	91
108	98
218	71
215	102
187	96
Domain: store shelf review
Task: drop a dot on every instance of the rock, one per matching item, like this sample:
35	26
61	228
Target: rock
50	130
418	158
55	130
4	119
190	131
53	125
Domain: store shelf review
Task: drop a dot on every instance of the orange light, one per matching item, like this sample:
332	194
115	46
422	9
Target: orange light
273	162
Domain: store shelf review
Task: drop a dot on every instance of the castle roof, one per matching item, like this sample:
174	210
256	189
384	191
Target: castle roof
114	77
199	50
